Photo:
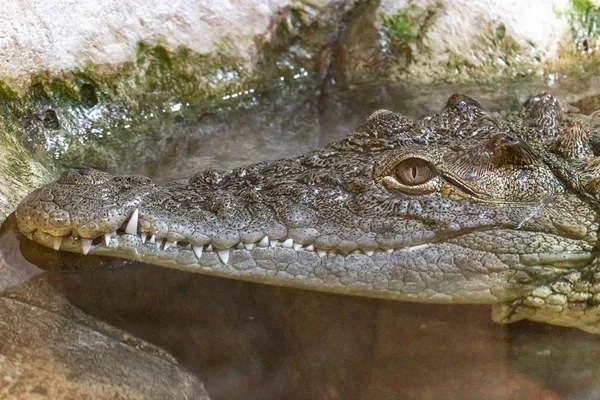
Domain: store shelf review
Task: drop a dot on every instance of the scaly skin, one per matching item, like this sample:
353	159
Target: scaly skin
456	207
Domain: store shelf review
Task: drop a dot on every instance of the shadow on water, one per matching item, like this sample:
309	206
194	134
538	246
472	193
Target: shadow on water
251	341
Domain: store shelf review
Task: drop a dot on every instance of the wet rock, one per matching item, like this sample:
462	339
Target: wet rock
50	349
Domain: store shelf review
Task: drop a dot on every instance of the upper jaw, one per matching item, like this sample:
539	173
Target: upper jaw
146	230
137	237
60	217
58	221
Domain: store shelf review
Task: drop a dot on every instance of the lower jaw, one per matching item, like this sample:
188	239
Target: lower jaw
269	265
252	265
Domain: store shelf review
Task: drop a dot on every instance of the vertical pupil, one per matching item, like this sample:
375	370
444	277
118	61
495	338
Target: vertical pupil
414	171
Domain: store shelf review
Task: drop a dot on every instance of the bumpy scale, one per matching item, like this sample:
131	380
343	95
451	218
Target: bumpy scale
461	206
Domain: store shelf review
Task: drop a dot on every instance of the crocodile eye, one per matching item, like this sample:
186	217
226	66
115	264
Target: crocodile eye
414	171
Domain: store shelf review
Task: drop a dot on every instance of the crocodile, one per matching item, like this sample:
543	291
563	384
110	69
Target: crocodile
462	206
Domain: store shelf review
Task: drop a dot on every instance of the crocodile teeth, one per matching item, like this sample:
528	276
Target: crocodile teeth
86	245
169	244
321	253
369	252
310	247
249	246
264	242
209	247
273	242
198	251
240	246
131	227
56	242
289	243
223	255
153	239
143	236
107	237
297	246
389	250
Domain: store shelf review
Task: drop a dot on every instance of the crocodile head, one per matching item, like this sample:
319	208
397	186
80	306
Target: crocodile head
459	206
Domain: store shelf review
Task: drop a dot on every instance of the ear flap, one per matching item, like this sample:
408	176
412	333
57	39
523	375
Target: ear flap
475	158
591	176
469	163
505	150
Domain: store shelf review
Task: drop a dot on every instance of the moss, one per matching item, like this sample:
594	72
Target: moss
502	53
500	32
84	117
19	173
579	55
406	25
584	19
494	55
585	24
404	30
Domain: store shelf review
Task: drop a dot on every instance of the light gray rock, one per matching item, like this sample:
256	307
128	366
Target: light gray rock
57	36
478	40
54	36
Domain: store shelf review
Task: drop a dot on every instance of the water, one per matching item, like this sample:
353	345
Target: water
250	341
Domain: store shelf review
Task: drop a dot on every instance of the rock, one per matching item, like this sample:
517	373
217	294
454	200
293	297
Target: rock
62	36
50	349
474	40
54	37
